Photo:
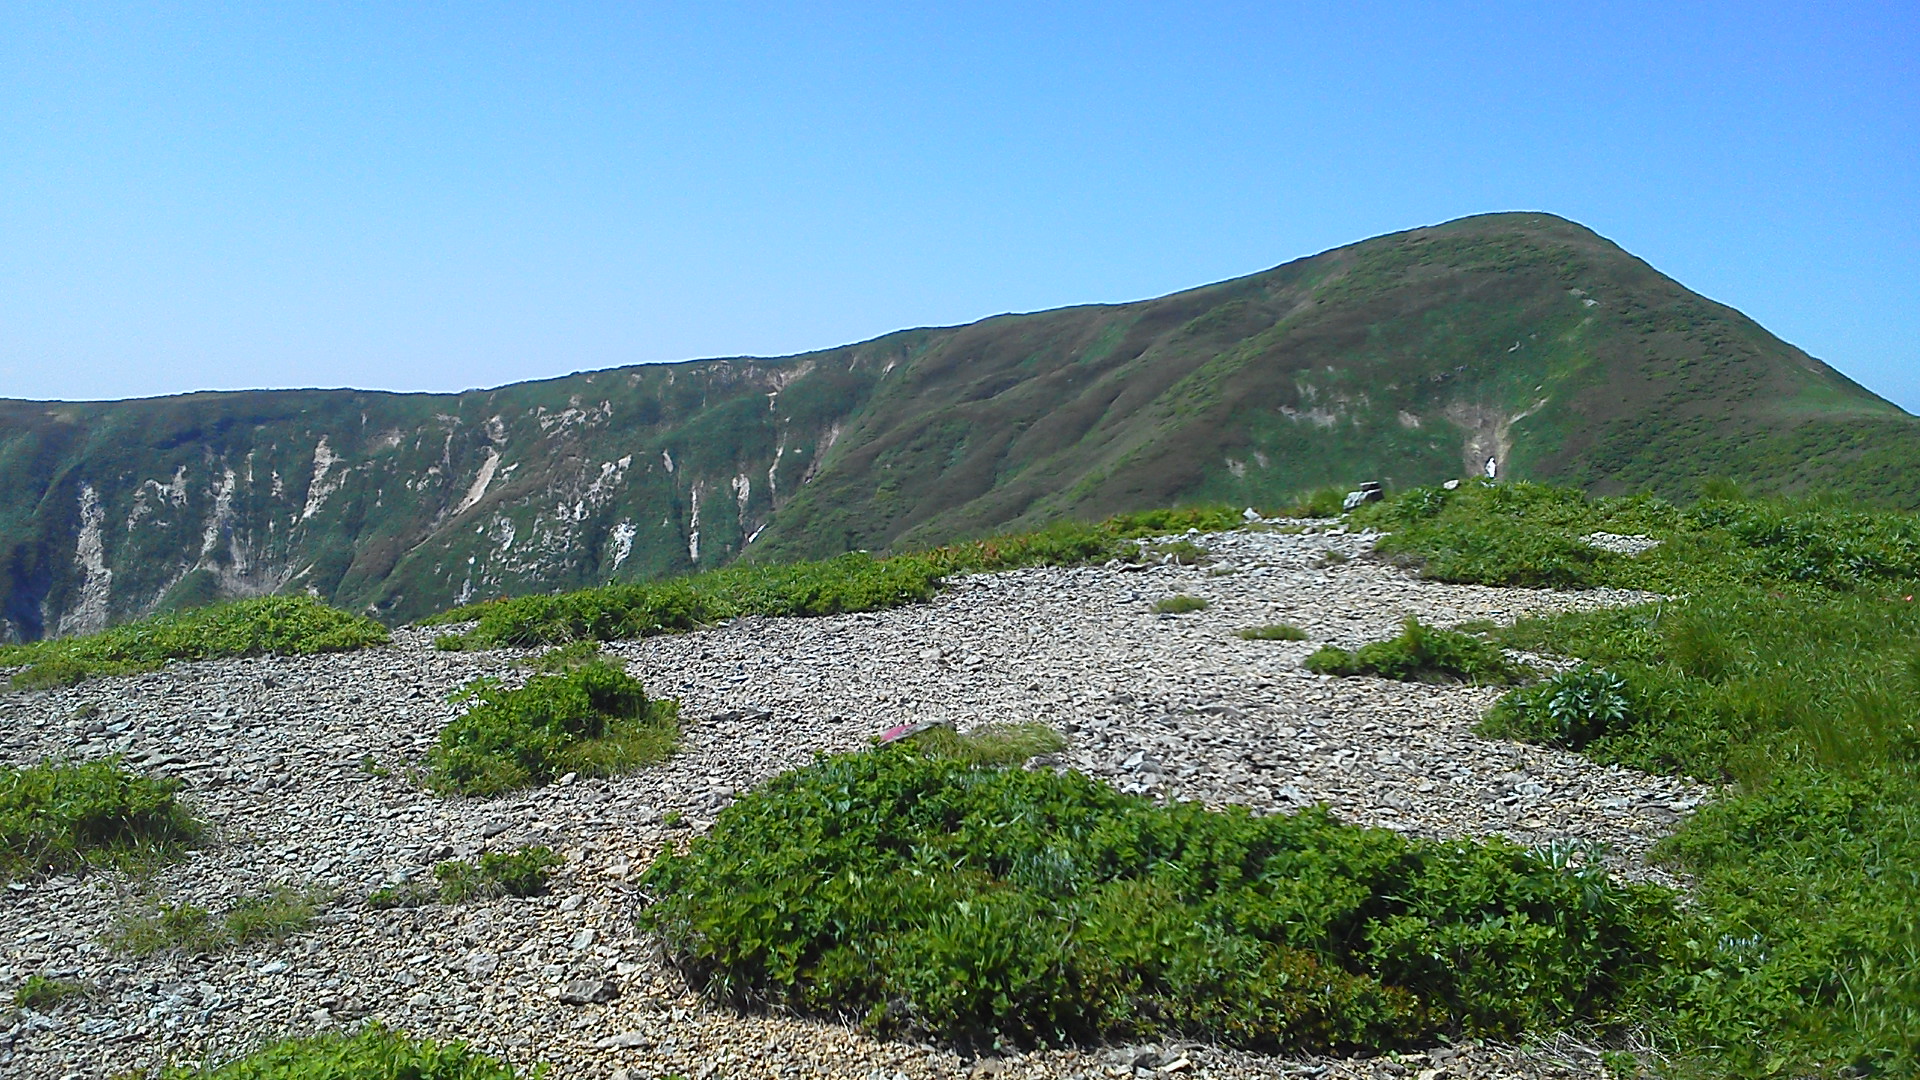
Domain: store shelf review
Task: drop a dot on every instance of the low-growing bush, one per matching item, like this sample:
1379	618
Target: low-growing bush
1180	604
287	625
1423	653
406	894
62	816
936	899
43	992
373	1053
1272	632
523	871
586	716
190	928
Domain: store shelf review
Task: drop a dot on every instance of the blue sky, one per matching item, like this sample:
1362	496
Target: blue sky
443	196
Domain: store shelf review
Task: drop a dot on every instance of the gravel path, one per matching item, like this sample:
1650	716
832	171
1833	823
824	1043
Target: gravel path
274	752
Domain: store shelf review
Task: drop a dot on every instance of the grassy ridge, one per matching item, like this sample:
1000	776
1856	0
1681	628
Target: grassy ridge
851	582
266	624
1788	665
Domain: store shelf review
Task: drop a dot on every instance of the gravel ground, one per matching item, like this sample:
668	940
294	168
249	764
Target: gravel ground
275	752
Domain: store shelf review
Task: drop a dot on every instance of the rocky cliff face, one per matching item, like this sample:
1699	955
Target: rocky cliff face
1511	345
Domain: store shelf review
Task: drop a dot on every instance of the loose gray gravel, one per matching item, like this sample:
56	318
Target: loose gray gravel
275	752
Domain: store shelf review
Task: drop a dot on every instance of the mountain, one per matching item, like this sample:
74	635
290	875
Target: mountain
1521	344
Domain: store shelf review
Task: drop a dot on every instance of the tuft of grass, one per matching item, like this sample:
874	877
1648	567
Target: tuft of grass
1180	604
407	894
373	1053
990	744
64	816
1423	653
43	992
1272	632
939	899
190	928
584	714
265	624
523	871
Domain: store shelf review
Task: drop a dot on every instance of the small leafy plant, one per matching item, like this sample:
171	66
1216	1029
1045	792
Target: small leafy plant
1423	653
63	816
1272	632
406	894
1569	710
1179	604
523	871
43	992
583	714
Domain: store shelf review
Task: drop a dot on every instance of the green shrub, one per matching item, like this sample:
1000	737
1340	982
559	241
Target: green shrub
1422	653
56	817
266	624
588	717
523	871
42	992
973	905
374	1053
1176	552
1272	632
1179	604
190	928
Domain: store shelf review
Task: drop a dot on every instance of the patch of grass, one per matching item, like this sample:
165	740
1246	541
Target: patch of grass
1423	653
1180	604
63	816
1272	632
989	744
190	928
407	894
584	715
286	625
1173	553
42	992
1326	502
938	899
1786	665
523	871
373	1053
847	583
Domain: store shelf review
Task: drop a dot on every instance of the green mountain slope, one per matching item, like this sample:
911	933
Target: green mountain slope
1521	338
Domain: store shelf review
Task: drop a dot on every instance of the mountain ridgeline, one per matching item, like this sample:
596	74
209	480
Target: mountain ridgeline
1517	345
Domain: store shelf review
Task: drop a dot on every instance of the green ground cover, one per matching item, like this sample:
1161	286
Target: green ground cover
581	713
61	816
852	582
1422	653
1786	665
266	624
933	897
374	1053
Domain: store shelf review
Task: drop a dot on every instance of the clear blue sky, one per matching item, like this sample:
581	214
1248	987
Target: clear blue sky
442	196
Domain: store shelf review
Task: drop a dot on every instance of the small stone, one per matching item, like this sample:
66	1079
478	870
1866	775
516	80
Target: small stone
589	992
